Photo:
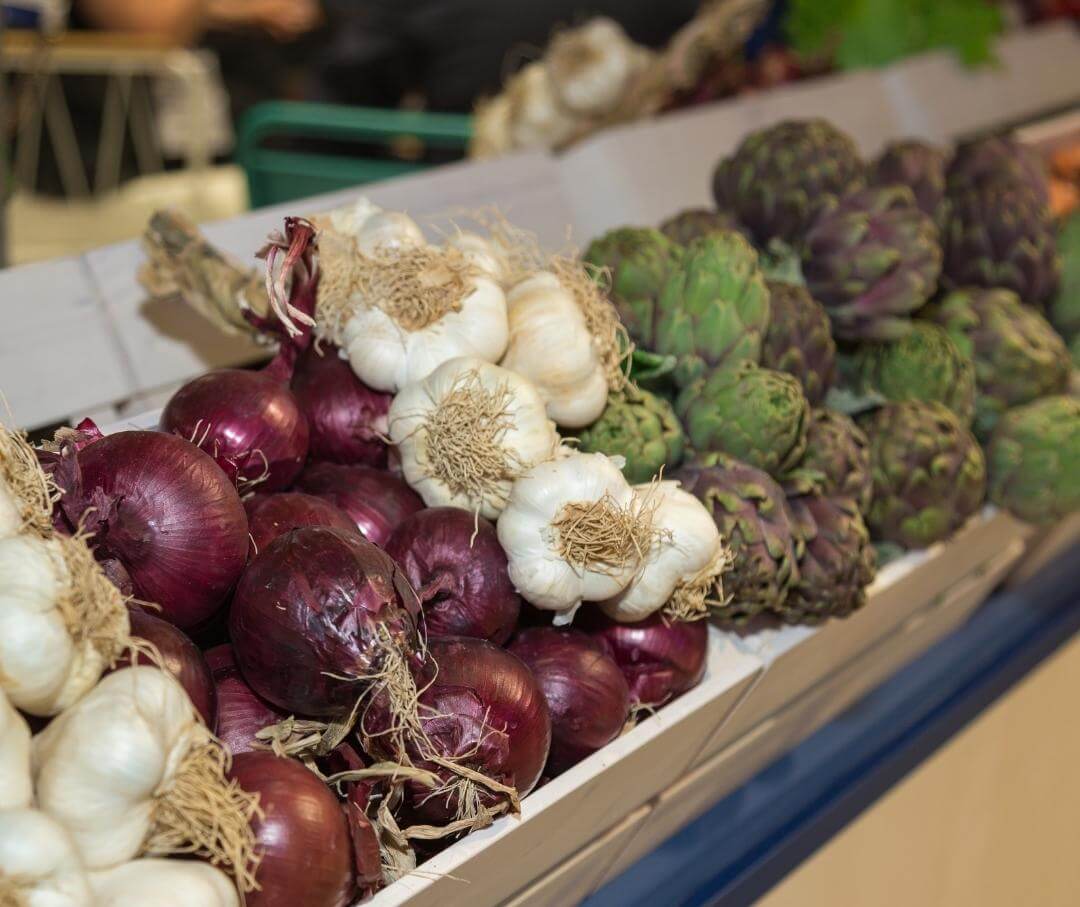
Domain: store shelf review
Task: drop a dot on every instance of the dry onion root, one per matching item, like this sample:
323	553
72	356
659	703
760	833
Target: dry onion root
26	493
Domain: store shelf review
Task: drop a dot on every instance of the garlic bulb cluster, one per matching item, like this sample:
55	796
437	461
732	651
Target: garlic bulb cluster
686	552
467	431
573	531
551	345
61	622
591	66
15	788
163	883
39	865
130	768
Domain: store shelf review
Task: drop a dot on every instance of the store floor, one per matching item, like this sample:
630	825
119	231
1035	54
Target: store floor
990	821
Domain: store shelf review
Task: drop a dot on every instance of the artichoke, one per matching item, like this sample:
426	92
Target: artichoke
641	428
929	473
839	452
925	364
635	264
1064	309
755	522
781	178
798	340
755	414
994	159
693	223
713	310
1034	460
1017	355
920	167
872	261
837	561
1001	235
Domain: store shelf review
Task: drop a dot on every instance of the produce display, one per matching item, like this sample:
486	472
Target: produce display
481	511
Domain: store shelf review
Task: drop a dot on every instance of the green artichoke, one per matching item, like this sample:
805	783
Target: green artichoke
713	310
635	264
1017	355
1000	234
997	158
781	178
755	414
643	429
798	340
1034	460
872	261
1064	309
920	167
837	561
755	522
925	364
693	223
839	452
929	473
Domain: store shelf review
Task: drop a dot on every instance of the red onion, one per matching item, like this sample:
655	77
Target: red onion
271	515
247	419
458	568
241	714
659	660
348	419
377	501
585	691
163	516
180	658
367	853
484	710
315	606
302	837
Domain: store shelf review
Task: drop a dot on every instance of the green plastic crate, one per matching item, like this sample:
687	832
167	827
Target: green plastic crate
276	175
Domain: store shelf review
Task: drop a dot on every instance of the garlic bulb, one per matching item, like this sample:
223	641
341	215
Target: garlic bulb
467	431
39	866
551	345
480	252
131	769
686	552
163	883
537	120
15	788
372	228
25	492
61	622
572	532
491	127
590	66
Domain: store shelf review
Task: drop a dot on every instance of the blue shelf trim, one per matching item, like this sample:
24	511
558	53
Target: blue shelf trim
754	837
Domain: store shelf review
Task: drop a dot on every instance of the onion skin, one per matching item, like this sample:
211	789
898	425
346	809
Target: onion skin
377	501
314	603
659	660
245	418
347	419
271	515
180	657
586	693
477	680
303	838
462	580
241	714
168	514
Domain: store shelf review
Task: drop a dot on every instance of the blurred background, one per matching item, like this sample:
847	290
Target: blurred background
112	108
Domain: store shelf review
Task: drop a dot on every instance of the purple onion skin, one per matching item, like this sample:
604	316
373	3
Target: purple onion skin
314	603
586	693
303	835
241	714
348	420
484	708
462	580
659	660
271	515
180	657
168	514
377	501
247	418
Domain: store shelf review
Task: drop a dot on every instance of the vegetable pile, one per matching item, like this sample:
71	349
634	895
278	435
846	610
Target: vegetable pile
483	508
